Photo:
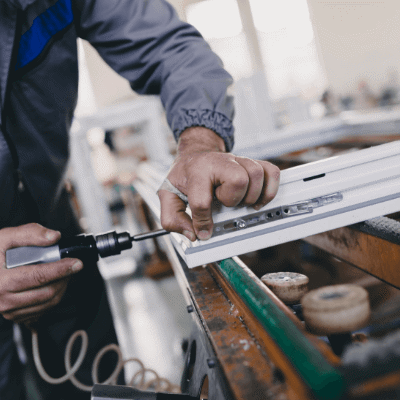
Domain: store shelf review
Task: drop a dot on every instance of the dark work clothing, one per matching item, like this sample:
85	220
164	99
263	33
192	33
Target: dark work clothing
142	40
84	306
10	368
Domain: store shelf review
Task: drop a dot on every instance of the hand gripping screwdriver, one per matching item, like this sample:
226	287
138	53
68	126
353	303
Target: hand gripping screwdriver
85	247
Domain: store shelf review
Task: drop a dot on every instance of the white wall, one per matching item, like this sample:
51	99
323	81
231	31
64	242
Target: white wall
108	87
357	39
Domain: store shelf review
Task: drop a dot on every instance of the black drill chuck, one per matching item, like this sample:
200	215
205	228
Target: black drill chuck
112	243
88	249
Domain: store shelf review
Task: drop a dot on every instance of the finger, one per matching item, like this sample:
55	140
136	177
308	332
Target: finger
27	235
200	196
32	313
34	276
255	173
231	181
35	297
271	184
173	215
29	304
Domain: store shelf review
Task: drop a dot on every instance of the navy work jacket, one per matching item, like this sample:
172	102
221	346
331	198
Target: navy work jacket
142	40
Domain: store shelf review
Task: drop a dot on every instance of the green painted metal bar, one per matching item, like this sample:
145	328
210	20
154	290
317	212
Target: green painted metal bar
323	379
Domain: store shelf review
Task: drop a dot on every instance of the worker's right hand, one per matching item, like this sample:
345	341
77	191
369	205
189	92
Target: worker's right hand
27	292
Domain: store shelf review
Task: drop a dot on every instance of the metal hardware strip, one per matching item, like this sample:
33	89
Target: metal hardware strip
274	214
348	189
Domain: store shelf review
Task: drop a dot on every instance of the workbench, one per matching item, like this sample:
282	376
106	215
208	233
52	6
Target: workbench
247	344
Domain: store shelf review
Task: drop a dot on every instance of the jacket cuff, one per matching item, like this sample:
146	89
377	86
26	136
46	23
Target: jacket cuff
213	120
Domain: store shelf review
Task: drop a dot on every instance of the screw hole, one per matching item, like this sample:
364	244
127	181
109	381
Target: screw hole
278	376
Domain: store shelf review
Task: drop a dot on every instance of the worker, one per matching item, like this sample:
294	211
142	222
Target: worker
145	42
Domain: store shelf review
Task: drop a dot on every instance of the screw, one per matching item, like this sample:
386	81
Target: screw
240	224
211	363
278	375
190	309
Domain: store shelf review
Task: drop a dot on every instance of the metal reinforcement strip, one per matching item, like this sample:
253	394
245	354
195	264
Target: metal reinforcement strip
323	379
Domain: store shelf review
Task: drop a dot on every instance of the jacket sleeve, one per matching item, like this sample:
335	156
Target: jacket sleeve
145	42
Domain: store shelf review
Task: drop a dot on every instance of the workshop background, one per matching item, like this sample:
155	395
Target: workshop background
294	63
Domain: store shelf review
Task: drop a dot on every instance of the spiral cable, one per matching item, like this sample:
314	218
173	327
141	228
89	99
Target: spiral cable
138	380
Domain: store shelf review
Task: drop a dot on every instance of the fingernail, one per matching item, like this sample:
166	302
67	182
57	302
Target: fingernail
51	235
204	235
259	206
77	266
190	235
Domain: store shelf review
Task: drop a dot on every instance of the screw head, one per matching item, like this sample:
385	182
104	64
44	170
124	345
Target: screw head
190	309
240	224
211	363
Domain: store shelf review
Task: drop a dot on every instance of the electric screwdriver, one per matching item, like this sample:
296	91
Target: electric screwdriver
85	247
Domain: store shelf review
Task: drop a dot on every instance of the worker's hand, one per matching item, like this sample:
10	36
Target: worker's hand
27	292
203	170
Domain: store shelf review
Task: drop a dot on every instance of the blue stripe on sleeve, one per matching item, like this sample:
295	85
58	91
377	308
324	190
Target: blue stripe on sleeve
44	27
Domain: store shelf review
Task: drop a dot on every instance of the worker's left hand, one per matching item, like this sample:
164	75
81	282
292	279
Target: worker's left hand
203	170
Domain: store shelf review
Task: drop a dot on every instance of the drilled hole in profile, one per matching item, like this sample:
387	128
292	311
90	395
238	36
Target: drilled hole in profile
278	375
310	178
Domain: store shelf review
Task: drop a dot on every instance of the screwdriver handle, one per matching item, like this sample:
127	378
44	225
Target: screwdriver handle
29	255
82	247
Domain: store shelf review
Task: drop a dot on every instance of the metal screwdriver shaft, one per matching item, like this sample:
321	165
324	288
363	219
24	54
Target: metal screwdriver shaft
149	235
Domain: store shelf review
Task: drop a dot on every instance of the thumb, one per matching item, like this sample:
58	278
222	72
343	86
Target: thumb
28	235
173	215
